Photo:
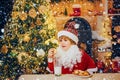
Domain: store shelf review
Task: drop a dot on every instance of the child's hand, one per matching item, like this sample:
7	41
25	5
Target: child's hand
51	53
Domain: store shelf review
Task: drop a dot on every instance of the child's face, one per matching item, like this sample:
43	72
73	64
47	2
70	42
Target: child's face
65	43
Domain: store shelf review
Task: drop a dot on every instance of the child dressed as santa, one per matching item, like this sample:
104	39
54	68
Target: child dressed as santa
70	56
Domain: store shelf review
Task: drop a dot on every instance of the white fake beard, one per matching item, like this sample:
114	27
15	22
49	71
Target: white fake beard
70	57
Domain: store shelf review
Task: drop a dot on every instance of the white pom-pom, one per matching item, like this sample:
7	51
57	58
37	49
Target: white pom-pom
76	26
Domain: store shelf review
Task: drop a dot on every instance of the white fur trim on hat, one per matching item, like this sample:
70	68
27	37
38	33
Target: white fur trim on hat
76	6
69	35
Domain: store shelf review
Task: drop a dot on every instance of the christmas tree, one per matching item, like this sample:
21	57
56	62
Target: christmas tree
29	34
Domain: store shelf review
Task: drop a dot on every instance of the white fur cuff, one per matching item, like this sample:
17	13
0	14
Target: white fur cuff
50	60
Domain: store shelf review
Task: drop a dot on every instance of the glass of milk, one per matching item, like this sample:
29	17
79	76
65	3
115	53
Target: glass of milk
57	67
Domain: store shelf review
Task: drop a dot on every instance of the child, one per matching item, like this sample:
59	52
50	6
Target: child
71	57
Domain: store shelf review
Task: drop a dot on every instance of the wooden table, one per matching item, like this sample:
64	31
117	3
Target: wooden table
97	76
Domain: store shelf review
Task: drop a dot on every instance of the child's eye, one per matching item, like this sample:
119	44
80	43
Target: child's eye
65	40
60	40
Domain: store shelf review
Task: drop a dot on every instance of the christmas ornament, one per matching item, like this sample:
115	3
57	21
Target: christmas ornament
40	52
32	13
38	21
26	38
4	49
15	14
23	16
42	9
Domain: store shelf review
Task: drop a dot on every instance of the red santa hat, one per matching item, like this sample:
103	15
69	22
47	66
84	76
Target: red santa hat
70	31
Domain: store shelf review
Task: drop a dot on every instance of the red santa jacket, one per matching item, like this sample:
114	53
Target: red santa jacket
87	63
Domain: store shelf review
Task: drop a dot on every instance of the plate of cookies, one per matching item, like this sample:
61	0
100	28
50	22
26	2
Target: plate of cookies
80	73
